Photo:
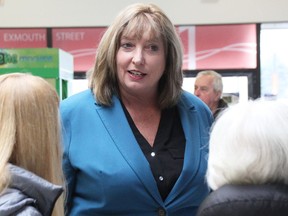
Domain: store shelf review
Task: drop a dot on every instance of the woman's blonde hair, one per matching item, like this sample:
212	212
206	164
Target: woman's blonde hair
134	21
249	145
30	129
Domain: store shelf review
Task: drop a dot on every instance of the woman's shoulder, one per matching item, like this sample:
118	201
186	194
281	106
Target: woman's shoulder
77	102
76	98
192	100
29	189
266	199
13	202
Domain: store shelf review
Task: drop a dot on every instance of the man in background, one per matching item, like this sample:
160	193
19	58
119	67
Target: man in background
209	87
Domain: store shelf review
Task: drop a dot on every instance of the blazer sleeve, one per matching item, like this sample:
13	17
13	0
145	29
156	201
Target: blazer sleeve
69	171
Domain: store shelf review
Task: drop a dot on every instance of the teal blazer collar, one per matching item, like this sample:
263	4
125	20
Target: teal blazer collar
116	123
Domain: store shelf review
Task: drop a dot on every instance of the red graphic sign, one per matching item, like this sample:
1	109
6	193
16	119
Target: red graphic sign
23	38
219	46
80	42
205	47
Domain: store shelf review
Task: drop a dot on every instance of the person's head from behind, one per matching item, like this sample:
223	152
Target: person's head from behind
208	87
249	145
144	24
29	127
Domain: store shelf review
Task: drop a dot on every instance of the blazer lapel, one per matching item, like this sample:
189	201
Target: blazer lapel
189	121
119	129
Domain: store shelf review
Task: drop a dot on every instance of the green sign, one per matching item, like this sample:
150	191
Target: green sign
53	64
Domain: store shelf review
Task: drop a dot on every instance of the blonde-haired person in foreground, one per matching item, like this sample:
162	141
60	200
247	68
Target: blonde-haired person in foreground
248	161
30	157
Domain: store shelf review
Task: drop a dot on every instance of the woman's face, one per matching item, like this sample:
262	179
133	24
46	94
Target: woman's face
140	64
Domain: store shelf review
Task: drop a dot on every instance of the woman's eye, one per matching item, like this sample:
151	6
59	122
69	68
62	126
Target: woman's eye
126	45
153	47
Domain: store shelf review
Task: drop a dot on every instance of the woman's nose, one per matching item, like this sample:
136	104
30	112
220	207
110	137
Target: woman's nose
138	57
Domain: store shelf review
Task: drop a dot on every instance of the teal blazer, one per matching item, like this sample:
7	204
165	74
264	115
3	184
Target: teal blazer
106	171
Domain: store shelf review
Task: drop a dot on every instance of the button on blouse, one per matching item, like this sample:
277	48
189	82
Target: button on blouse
167	154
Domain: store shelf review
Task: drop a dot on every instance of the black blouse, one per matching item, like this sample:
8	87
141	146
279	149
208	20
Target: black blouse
167	154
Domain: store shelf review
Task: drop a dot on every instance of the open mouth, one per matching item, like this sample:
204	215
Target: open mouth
136	73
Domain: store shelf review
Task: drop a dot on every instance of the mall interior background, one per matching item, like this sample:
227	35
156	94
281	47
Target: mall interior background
246	41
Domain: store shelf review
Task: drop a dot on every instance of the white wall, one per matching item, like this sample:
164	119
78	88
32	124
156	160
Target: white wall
74	13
